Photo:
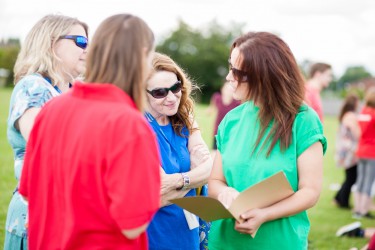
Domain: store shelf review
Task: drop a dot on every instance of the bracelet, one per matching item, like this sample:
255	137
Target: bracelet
185	182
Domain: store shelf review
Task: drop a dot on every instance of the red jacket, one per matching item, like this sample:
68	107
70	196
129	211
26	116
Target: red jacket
366	144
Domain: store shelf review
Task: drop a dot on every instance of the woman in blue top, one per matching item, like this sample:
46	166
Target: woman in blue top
186	161
52	55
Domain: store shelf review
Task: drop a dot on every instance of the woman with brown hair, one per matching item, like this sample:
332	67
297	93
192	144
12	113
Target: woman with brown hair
91	172
186	162
346	147
272	131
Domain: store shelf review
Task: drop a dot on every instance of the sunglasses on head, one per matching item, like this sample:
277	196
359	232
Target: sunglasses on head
238	75
159	93
80	41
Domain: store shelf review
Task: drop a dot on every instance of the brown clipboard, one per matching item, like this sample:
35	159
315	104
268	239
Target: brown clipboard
263	194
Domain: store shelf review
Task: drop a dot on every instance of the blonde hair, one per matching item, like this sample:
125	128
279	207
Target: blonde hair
117	55
37	54
185	114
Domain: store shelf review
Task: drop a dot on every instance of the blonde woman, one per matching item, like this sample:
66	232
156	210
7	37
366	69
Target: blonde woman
52	56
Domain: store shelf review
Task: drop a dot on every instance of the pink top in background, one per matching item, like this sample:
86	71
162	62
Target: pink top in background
312	98
222	109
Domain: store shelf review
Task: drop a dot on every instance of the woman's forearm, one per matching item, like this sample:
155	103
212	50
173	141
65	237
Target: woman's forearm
216	187
173	194
300	201
199	175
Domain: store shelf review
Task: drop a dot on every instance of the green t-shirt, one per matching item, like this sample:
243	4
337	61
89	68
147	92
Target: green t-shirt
236	137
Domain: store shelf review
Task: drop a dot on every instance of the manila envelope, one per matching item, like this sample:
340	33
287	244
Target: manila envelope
263	194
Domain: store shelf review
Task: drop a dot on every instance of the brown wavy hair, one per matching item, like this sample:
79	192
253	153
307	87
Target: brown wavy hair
275	84
117	53
185	113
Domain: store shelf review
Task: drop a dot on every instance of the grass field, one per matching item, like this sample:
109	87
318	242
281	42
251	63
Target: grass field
324	217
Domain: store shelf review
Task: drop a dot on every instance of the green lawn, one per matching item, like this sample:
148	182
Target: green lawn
324	217
7	179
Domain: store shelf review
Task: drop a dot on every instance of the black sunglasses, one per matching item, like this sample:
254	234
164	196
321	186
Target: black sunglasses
238	75
163	92
80	41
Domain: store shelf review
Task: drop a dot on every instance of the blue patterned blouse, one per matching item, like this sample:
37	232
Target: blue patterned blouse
32	91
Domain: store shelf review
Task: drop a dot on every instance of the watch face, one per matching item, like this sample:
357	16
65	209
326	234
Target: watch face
186	180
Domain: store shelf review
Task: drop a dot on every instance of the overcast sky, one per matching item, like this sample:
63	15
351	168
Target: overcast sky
339	32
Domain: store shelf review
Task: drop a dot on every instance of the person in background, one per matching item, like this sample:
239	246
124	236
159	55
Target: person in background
320	77
52	56
186	162
366	156
355	230
221	103
271	131
91	173
346	147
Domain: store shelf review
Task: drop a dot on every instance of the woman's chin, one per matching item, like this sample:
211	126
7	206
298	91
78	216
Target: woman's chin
237	97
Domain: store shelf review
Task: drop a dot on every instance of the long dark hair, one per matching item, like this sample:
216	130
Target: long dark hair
350	104
275	84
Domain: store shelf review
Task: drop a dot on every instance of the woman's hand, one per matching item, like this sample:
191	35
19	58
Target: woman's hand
251	221
169	183
227	196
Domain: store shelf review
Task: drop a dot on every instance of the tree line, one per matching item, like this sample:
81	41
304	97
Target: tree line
202	53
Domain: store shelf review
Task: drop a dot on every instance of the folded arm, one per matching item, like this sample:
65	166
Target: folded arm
201	164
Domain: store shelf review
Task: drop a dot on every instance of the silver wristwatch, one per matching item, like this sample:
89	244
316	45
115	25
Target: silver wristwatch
185	181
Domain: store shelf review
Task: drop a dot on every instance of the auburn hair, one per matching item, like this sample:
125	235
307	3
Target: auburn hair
275	85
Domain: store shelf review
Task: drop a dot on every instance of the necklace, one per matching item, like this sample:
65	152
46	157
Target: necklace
55	86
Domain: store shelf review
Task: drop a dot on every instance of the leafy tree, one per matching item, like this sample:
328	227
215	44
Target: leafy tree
8	54
202	53
353	74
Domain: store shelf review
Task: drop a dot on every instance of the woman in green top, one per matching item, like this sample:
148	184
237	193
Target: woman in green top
272	131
